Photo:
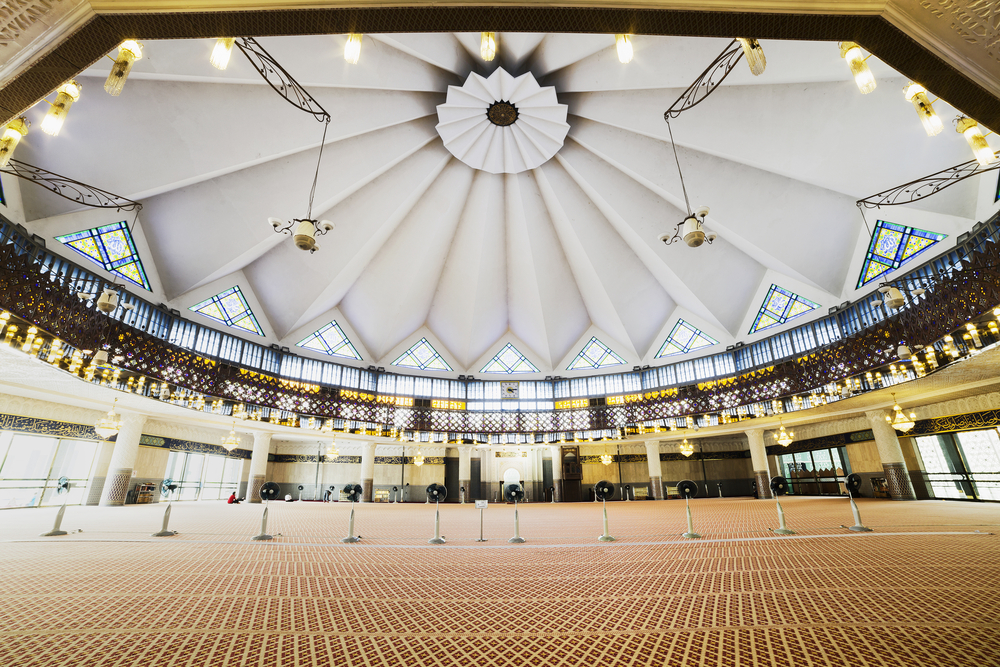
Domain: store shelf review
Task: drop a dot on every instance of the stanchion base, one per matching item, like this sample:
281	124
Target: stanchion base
482	540
691	536
261	537
860	529
605	538
516	540
783	531
165	533
350	540
436	540
54	533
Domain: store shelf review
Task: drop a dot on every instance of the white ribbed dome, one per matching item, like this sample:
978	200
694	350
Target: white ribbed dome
528	142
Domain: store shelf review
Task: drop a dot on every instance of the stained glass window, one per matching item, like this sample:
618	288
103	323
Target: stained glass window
892	246
779	306
422	356
509	360
230	308
683	338
595	354
331	340
112	247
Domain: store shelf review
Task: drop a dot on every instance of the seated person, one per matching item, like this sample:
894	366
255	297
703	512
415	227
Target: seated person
233	500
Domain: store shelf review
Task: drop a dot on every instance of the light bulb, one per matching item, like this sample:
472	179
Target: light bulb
222	52
66	94
624	44
863	76
917	94
12	134
352	49
754	55
977	142
488	46
129	51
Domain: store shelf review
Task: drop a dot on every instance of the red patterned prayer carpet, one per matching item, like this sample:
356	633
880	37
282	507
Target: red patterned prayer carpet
922	590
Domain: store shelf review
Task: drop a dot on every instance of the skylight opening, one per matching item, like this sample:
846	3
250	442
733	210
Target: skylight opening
595	354
509	360
113	248
331	340
779	306
422	356
230	308
892	246
684	338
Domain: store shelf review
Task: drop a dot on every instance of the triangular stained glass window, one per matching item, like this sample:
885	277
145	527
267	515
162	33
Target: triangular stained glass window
892	246
779	306
509	360
331	340
684	338
595	354
230	308
112	247
422	356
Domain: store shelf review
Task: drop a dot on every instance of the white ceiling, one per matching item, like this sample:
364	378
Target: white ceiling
424	245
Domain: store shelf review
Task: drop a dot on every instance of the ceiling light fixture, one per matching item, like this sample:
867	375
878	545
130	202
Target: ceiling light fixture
691	229
332	452
863	76
231	441
488	46
222	52
129	51
754	55
306	229
894	297
917	95
66	94
687	448
783	437
352	49
12	134
624	44
108	425
900	422
976	139
418	460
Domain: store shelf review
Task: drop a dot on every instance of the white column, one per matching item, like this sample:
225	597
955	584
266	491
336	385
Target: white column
258	464
655	468
557	481
367	471
758	456
464	471
123	460
897	476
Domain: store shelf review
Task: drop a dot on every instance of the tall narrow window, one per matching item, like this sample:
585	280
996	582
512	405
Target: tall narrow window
892	246
422	356
595	354
684	338
331	340
112	247
230	308
779	306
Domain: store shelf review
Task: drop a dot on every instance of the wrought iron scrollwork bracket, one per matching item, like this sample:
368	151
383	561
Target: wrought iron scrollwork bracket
280	80
707	81
926	186
70	189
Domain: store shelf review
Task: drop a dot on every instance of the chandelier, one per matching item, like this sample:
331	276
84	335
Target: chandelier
783	437
231	441
691	230
108	425
606	458
900	422
332	452
687	448
307	229
418	460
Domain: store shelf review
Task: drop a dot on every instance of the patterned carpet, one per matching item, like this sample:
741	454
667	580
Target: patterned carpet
922	590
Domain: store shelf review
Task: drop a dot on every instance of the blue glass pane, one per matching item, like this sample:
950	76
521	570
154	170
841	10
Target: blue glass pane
112	247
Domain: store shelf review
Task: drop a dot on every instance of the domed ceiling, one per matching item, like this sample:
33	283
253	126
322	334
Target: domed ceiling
426	246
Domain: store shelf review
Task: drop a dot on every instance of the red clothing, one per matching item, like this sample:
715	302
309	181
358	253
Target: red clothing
232	499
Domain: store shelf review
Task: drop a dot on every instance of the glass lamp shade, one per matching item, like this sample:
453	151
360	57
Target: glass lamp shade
917	95
352	50
488	46
754	55
977	142
66	94
128	52
12	134
222	52
624	45
863	76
